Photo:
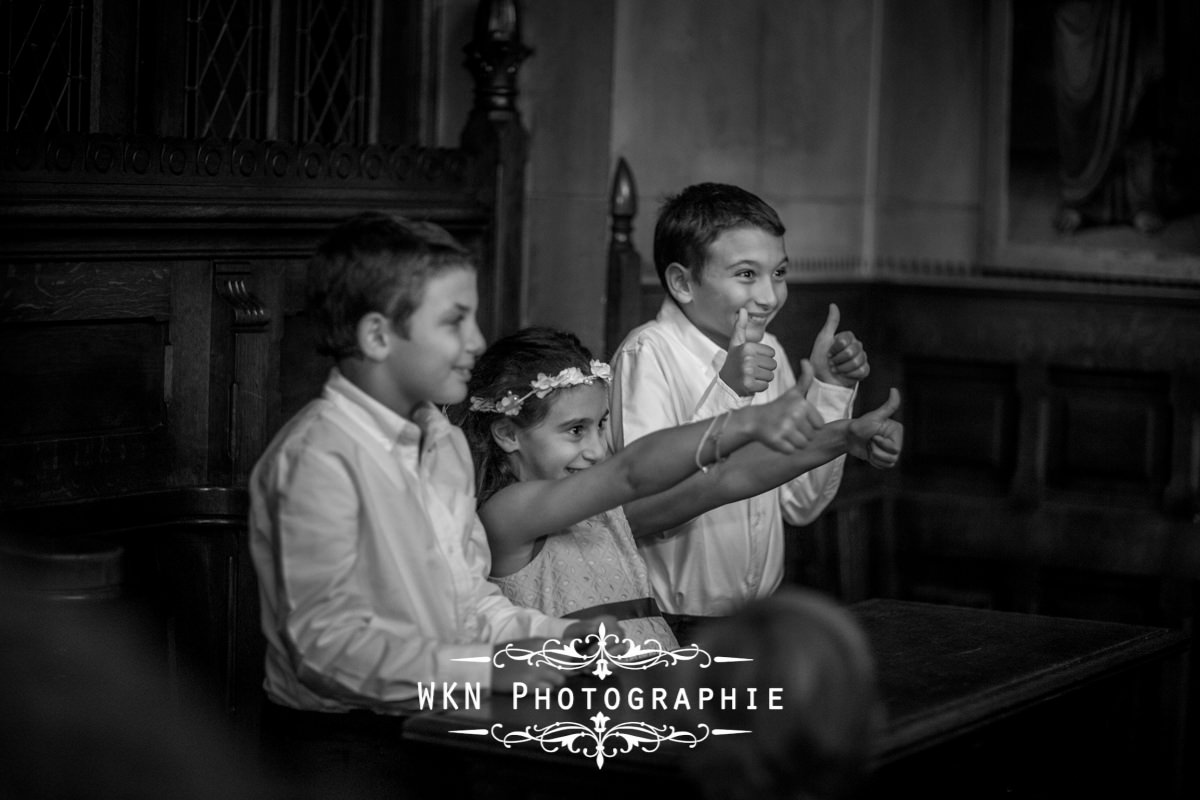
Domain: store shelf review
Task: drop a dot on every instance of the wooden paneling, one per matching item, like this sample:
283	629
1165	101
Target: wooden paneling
963	419
1109	434
151	311
87	360
82	377
1050	463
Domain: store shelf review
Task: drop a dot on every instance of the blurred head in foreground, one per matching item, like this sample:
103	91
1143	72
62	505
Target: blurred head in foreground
819	744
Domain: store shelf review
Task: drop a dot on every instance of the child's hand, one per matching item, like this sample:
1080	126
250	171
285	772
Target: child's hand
749	365
789	422
838	358
877	438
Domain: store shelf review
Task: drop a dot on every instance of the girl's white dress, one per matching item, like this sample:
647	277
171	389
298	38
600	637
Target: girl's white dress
592	563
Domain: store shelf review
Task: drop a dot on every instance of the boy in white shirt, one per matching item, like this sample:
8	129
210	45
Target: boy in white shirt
719	252
372	564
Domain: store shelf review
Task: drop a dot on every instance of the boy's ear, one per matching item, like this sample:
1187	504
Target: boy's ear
372	334
679	282
504	434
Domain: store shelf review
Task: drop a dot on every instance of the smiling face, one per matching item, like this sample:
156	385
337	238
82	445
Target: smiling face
434	362
569	438
745	268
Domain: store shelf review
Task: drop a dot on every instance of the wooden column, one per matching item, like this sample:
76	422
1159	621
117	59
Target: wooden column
495	134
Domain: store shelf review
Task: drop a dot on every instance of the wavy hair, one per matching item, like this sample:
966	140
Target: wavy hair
509	365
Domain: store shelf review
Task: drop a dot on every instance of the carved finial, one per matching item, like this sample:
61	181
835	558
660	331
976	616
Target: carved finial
495	54
623	198
497	21
624	296
622	202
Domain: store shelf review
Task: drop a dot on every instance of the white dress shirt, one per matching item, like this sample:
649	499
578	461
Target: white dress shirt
666	373
372	564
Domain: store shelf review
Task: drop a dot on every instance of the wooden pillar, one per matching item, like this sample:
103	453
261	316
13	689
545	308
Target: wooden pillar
495	135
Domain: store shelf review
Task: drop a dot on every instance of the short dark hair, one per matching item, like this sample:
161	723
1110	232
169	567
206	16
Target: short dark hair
375	262
510	365
690	221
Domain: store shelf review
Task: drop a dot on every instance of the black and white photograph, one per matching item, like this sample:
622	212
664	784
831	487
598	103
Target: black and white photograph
521	399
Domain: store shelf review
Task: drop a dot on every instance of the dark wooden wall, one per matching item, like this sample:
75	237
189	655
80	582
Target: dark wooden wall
153	243
154	234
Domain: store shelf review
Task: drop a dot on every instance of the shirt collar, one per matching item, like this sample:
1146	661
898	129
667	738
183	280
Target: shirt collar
693	339
390	428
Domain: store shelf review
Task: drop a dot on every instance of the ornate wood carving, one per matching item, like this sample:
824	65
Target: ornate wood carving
243	369
495	56
134	226
99	157
495	134
248	310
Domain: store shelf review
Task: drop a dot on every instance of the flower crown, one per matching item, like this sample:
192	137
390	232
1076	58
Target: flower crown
510	404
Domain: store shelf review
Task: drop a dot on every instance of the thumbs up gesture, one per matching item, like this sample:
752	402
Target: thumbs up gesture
838	357
788	423
749	364
877	438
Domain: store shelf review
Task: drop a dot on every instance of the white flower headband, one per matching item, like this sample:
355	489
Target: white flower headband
510	404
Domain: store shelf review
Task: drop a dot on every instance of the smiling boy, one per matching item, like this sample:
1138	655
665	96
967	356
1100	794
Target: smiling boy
371	562
719	253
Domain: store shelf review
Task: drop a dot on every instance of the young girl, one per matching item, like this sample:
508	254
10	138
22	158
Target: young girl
549	495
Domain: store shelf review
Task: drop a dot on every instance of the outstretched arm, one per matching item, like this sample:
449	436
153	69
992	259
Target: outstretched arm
647	466
874	437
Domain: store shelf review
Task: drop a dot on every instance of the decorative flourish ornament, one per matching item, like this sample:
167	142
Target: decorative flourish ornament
576	656
599	742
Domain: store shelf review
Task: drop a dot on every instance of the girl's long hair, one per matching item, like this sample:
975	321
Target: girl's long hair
510	365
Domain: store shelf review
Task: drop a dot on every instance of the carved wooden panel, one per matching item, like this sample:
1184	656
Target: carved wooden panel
82	378
52	292
87	364
243	373
144	162
961	422
1109	433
